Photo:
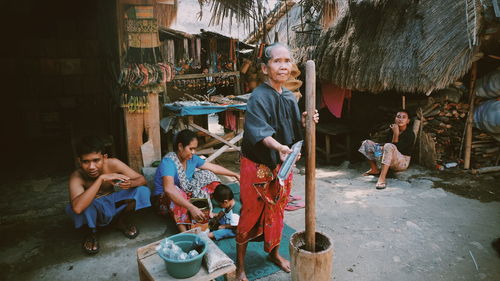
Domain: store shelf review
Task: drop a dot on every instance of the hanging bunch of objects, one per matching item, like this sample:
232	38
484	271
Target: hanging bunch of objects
251	71
204	83
204	64
145	74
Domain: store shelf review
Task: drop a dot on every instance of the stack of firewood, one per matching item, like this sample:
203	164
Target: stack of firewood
485	150
444	122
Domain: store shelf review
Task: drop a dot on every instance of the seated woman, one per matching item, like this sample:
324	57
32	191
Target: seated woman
396	151
183	175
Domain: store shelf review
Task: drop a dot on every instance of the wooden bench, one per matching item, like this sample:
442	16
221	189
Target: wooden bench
330	130
152	267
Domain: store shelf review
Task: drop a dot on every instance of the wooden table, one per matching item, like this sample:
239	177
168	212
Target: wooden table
186	118
153	268
329	130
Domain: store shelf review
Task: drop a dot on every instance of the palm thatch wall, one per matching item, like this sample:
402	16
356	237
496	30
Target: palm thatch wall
402	45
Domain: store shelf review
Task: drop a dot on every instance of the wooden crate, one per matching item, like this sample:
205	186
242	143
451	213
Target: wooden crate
152	267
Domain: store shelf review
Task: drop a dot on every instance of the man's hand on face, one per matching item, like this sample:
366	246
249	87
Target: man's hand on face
394	128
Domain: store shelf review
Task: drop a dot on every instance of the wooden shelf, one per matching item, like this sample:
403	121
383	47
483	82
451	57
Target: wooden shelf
202	75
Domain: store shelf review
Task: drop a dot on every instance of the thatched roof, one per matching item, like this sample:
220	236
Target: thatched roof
402	45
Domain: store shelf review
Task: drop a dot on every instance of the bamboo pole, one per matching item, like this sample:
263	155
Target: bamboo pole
403	102
470	118
485	170
311	156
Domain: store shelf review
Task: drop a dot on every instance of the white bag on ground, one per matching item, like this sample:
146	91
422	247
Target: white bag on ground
214	258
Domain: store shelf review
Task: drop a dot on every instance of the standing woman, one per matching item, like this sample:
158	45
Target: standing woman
183	175
272	124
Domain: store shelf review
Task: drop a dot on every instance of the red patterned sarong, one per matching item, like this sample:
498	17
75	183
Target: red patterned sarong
263	202
180	214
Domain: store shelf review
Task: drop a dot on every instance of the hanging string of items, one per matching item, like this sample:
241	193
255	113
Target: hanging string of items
146	76
203	83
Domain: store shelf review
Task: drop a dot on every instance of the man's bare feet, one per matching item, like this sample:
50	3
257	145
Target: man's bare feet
240	275
90	243
283	263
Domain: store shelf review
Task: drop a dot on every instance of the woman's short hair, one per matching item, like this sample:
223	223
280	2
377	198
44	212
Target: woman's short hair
266	56
184	137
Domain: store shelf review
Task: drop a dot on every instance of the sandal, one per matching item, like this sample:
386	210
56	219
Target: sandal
130	231
292	206
91	239
292	198
380	185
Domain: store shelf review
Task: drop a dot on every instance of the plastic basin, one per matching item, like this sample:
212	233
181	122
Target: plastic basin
184	268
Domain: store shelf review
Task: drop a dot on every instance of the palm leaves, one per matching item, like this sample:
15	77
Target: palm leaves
253	12
248	12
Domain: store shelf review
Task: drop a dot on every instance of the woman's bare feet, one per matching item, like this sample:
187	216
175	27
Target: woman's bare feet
240	275
283	263
372	172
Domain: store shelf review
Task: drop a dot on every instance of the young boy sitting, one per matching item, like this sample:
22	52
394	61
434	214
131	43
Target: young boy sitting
224	223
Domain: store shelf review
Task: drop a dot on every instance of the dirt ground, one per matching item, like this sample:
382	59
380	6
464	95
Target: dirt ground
484	188
426	225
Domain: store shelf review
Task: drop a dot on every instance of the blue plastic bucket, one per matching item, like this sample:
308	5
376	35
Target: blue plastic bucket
184	268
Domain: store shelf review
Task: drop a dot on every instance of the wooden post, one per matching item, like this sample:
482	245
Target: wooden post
151	149
403	102
134	126
470	117
311	157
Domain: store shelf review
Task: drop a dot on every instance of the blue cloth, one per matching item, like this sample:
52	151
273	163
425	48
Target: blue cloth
226	218
103	209
223	233
167	168
201	110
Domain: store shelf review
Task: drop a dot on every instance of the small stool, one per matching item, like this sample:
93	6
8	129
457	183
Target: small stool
330	130
152	267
